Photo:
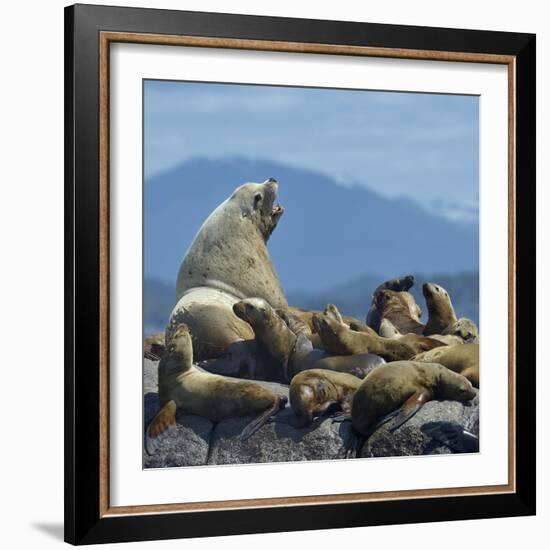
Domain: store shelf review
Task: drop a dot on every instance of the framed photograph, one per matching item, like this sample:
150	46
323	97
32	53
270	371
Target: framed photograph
296	250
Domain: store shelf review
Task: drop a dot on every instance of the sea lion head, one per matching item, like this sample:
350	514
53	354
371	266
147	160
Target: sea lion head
400	284
434	293
326	325
257	204
393	301
465	329
455	386
180	341
255	311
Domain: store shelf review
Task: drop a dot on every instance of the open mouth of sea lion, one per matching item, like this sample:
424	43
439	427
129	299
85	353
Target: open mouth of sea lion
271	211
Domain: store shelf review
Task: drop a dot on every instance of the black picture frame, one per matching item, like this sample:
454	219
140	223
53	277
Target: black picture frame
84	523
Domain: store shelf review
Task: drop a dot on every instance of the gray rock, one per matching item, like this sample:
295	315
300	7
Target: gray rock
278	441
197	441
410	439
188	444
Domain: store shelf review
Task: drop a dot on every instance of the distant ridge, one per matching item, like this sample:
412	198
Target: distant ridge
329	233
352	298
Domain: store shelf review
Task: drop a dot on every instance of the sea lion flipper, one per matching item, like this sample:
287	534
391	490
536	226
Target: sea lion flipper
332	311
453	436
162	424
353	444
260	420
341	418
409	409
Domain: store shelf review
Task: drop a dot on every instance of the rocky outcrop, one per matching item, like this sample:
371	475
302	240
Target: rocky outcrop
197	441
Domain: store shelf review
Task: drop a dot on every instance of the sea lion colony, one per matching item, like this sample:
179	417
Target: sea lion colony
232	325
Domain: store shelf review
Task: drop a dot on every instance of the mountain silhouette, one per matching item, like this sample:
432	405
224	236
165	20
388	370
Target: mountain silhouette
328	235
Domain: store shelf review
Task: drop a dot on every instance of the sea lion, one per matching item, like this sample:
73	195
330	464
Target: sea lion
387	330
441	313
283	339
465	329
342	340
228	261
398	390
154	346
400	284
463	358
184	386
401	309
315	392
307	315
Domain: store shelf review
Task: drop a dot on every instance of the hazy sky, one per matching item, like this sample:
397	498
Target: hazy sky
424	146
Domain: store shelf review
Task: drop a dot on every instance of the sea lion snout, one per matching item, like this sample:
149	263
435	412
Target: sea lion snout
428	289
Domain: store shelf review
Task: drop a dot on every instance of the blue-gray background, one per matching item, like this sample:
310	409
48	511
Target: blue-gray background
374	185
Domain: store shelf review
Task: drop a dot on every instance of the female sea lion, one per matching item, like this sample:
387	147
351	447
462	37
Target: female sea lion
398	390
387	330
465	329
181	385
441	313
401	309
401	284
463	358
306	315
342	340
314	392
283	339
228	261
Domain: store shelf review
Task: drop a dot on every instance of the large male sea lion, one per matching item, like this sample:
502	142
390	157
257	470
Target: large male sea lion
228	261
374	315
286	348
463	359
398	390
184	386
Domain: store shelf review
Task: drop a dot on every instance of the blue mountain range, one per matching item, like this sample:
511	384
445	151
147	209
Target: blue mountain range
329	234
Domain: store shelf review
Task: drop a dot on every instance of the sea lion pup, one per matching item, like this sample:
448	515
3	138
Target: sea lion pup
316	392
283	338
153	346
342	340
441	313
398	390
228	261
465	329
401	309
424	343
184	386
400	284
306	315
462	358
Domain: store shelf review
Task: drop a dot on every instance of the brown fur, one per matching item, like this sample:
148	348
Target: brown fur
441	313
313	391
153	346
388	387
340	339
307	315
465	329
462	358
209	395
401	309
